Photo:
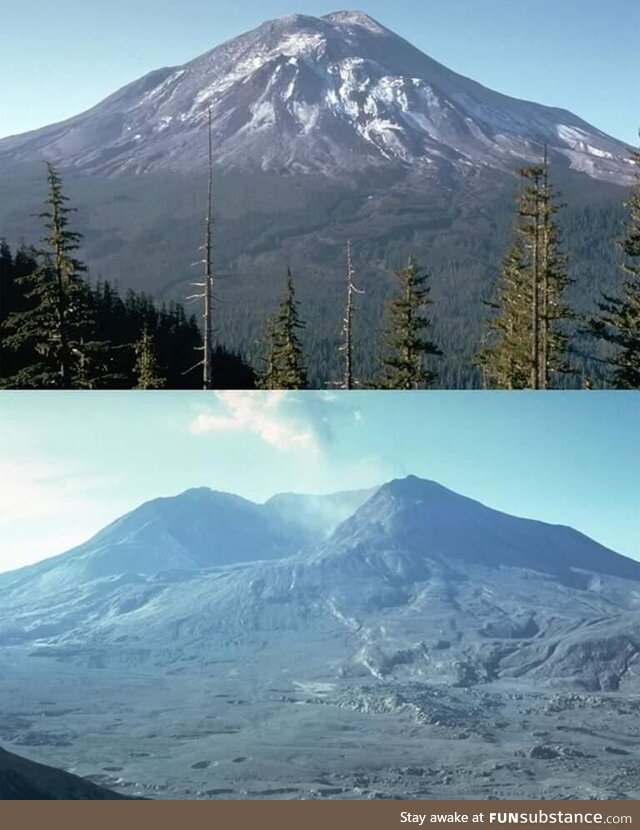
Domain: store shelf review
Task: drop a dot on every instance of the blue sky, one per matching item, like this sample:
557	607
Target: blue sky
73	463
60	58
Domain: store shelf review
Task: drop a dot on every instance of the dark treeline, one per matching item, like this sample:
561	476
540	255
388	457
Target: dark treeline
125	329
57	330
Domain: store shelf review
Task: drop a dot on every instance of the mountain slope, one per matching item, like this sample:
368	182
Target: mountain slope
429	647
21	779
326	129
428	522
416	569
199	529
305	94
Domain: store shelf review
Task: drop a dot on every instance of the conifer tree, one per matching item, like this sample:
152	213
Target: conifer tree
57	327
507	363
231	371
268	377
405	346
7	289
12	300
527	338
146	368
6	271
285	359
618	323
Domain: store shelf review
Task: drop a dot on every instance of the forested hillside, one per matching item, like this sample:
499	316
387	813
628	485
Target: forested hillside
459	238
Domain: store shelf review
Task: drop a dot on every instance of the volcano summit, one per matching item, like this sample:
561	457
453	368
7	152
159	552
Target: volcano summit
324	129
328	94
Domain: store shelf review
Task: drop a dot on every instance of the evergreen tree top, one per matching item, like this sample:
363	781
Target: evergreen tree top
404	341
285	361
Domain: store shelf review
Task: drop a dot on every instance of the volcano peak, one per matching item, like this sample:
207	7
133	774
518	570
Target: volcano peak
332	95
355	18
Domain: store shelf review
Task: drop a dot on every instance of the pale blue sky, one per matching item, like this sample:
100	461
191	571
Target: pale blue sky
60	58
70	463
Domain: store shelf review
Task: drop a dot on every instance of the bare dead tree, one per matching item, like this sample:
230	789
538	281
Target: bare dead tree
348	381
207	285
208	269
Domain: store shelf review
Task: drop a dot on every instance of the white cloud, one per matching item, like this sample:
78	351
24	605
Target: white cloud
276	417
33	487
47	507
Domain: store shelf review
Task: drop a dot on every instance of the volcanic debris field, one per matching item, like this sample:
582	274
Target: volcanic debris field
230	734
402	643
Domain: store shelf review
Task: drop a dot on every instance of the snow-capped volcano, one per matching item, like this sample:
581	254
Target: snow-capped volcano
323	94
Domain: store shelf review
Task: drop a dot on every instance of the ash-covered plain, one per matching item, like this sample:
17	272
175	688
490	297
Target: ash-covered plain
405	643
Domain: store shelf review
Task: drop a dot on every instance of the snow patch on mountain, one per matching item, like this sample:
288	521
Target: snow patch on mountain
328	94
